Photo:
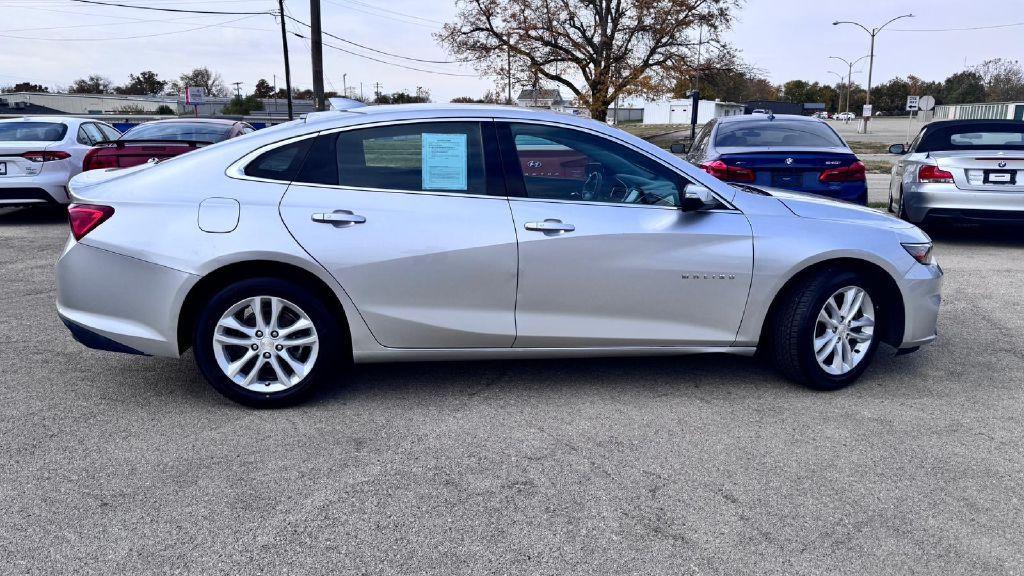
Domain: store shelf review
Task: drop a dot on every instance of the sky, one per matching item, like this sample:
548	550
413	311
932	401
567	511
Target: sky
53	42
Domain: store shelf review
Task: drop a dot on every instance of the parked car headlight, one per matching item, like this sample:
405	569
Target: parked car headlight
922	252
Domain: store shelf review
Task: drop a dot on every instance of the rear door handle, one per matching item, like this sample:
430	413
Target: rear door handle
339	218
550	225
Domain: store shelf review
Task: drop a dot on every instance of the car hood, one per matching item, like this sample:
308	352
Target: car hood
820	208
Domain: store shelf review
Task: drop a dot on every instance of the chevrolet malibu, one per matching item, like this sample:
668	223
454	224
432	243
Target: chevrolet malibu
426	232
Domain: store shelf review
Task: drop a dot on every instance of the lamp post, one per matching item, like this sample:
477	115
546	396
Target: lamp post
842	80
871	55
849	76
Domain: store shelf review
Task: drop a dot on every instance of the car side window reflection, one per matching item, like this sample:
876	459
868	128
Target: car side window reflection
565	164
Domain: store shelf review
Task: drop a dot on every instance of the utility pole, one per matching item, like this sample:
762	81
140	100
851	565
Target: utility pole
871	55
376	91
316	41
344	85
238	89
287	67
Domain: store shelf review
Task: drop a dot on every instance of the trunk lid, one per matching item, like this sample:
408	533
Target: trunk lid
983	171
13	165
128	153
791	169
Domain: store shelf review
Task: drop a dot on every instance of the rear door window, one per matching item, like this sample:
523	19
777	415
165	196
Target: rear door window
421	157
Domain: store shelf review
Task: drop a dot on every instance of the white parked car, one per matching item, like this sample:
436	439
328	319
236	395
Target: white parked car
428	232
39	154
844	116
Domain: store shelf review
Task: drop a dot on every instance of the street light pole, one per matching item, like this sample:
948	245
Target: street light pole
842	80
871	55
849	76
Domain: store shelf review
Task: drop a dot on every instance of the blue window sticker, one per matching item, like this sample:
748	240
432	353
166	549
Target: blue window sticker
445	162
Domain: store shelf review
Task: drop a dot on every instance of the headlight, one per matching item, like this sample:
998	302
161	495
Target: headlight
921	252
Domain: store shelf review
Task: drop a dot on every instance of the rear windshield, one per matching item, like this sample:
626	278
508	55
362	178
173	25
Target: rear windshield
974	137
197	131
32	131
777	133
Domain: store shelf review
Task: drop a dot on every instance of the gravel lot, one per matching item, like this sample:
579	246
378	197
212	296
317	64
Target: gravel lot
699	465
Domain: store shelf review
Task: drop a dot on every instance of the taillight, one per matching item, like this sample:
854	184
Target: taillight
84	218
723	171
934	174
852	173
43	156
94	160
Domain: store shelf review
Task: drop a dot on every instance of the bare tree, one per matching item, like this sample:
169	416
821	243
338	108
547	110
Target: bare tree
599	50
201	78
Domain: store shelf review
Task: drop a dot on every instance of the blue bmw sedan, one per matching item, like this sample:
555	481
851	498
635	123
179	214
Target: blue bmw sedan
780	151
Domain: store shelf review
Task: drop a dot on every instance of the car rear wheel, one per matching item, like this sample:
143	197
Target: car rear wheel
265	342
824	335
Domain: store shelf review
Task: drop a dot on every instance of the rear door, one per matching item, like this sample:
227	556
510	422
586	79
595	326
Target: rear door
412	220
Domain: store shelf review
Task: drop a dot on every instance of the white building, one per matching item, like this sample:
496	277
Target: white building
679	111
980	111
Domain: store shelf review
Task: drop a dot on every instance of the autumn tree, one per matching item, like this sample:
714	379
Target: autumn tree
599	50
93	84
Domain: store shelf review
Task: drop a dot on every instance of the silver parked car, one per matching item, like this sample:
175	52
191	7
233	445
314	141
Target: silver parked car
960	170
430	232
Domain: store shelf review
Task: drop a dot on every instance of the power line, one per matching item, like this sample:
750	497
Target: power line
958	29
389	63
393	55
126	37
98	3
372	7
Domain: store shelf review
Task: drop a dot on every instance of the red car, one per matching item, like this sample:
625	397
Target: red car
160	140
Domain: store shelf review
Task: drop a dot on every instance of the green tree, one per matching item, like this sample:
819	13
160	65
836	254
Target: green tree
242	106
145	84
25	87
1004	79
963	87
263	89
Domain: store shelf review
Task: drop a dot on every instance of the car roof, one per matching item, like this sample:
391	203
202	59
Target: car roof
977	122
55	119
752	117
221	121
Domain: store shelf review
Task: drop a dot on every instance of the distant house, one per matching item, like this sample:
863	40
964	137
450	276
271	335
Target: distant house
679	111
539	98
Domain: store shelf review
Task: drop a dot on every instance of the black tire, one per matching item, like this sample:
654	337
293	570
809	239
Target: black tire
325	322
792	329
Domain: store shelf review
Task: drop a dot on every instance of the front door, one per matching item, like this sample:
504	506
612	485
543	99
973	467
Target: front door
405	219
607	258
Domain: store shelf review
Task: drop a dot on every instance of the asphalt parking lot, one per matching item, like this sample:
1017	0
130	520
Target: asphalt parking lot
698	465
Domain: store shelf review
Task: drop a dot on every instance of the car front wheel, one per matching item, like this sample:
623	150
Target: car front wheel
265	342
825	333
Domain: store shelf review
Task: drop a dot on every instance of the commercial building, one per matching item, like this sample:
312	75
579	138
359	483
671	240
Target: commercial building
82	104
678	111
980	111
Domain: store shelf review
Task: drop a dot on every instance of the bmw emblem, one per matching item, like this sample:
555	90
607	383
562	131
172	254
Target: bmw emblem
1002	164
789	160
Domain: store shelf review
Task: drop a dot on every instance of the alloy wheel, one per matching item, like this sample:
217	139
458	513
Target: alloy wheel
265	344
844	330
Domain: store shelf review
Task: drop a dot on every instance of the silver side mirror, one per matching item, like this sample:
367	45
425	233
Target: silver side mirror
678	148
698	197
897	149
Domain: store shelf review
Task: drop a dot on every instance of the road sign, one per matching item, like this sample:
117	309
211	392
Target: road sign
913	103
868	110
194	95
926	103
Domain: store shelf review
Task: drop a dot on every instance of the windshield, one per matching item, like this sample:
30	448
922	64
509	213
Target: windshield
195	131
1009	136
32	131
801	133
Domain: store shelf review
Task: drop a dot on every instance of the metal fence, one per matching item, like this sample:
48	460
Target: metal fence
995	111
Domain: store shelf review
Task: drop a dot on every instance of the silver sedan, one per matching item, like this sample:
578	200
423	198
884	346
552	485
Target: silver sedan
423	232
960	171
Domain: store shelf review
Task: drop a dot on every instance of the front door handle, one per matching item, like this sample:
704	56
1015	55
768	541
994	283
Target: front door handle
550	225
339	218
